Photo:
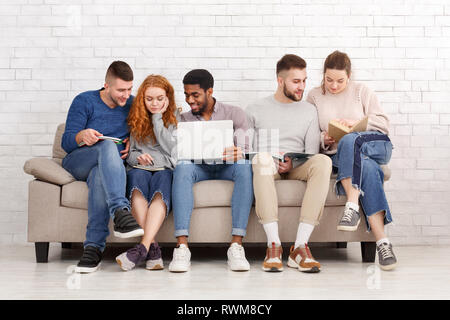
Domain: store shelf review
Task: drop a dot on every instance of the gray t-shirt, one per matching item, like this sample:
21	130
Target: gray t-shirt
284	127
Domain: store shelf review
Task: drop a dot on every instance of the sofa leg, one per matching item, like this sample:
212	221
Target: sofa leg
41	249
66	245
368	250
341	245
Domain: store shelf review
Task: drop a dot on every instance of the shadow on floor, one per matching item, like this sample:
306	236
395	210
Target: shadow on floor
253	252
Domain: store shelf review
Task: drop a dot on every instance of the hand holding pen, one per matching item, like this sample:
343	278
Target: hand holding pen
145	159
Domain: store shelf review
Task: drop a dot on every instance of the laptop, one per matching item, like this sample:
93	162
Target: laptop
204	141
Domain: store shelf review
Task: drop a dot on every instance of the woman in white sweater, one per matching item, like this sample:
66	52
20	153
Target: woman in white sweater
357	156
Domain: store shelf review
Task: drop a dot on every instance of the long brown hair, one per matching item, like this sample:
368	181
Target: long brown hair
139	118
339	61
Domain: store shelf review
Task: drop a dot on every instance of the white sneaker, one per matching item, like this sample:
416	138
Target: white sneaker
236	258
181	261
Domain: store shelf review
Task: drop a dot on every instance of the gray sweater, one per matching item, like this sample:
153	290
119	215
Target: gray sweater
163	152
285	127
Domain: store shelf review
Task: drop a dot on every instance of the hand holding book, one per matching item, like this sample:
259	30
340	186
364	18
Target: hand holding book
348	122
285	165
337	128
87	137
281	156
92	137
327	140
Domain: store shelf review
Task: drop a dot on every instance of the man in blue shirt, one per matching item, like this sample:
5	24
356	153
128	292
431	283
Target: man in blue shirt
99	162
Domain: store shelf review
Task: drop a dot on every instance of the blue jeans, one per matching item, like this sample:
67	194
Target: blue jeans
187	173
149	183
103	170
359	156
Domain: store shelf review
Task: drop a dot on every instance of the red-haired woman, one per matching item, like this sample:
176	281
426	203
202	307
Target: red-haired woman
153	121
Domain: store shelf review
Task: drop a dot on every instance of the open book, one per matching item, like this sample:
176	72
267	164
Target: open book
280	156
337	130
115	140
148	168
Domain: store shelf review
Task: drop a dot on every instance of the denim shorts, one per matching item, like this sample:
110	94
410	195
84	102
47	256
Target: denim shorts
149	183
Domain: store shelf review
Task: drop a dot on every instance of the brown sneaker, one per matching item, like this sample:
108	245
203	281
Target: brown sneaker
302	259
272	261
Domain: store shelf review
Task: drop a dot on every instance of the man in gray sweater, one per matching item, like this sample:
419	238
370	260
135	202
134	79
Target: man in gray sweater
283	123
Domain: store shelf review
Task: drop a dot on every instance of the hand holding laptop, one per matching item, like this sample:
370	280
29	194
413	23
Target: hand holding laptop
284	166
232	154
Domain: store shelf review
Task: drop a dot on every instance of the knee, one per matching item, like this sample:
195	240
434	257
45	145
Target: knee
135	176
165	175
243	170
322	163
107	145
370	170
184	170
262	159
348	139
108	149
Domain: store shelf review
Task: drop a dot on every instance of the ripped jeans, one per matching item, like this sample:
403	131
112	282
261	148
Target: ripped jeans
149	183
359	156
186	174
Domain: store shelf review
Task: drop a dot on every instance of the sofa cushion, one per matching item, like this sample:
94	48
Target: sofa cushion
213	193
217	193
75	195
58	151
210	193
48	170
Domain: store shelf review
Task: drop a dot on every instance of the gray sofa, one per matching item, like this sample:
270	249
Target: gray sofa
57	211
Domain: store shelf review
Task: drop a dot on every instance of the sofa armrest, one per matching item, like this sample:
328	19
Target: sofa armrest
48	170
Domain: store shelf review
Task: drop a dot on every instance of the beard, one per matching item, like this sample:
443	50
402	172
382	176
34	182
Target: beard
201	110
291	95
116	101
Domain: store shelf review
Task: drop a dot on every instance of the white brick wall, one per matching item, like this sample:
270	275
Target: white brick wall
50	50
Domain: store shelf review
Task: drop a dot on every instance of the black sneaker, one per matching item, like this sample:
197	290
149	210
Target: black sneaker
125	225
90	260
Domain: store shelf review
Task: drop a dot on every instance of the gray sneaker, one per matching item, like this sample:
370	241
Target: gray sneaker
386	257
350	220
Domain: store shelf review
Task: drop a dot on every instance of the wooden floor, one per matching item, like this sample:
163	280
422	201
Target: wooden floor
423	273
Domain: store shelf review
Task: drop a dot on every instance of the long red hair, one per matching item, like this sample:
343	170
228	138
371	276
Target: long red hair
139	118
